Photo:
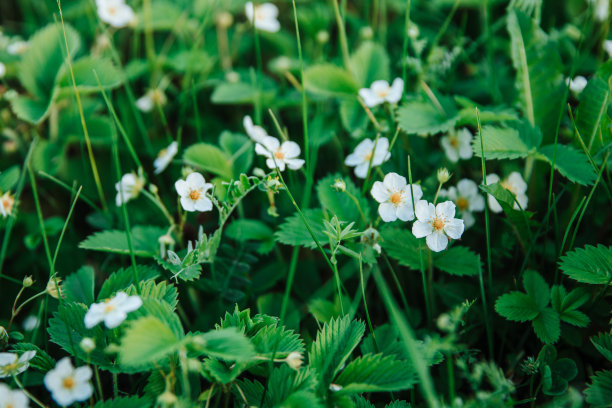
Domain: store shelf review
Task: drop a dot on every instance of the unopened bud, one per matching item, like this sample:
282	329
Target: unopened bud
295	360
443	175
322	37
167	399
339	185
224	19
88	344
28	281
54	288
366	33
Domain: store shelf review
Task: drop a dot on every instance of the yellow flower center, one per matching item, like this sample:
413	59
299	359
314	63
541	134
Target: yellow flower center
454	141
109	308
68	383
7	203
195	194
396	198
10	368
383	93
462	203
279	155
508	186
438	224
368	156
162	153
112	11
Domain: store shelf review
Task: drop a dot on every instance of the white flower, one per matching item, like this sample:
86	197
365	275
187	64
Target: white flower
18	47
380	92
467	199
152	98
68	384
11	364
437	224
115	12
31	323
361	156
607	46
295	360
458	144
395	198
2	70
263	16
278	154
87	344
164	157
7	202
602	9
192	191
128	188
113	311
577	84
12	399
256	133
515	184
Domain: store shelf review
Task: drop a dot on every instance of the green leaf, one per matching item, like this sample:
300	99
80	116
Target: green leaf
403	246
161	291
458	260
507	142
294	232
42	361
9	179
209	158
537	288
144	241
423	118
85	78
599	392
603	344
329	80
270	339
589	265
234	93
340	203
370	63
333	346
547	326
226	344
517	306
593	103
251	230
239	148
146	341
124	402
163	16
79	287
375	373
538	66
123	278
570	162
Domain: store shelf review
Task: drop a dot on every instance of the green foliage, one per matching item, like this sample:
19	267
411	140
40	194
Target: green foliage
370	63
329	80
79	287
589	265
294	232
9	178
144	241
603	344
41	361
210	159
423	117
372	373
556	373
252	230
226	344
124	402
123	278
599	392
146	341
570	162
518	141
339	203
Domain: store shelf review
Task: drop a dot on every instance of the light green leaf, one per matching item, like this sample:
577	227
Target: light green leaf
370	63
403	246
9	179
209	158
593	103
340	203
507	142
123	278
423	118
570	162
226	344
294	232
85	78
589	265
375	373
240	150
146	341
144	241
329	80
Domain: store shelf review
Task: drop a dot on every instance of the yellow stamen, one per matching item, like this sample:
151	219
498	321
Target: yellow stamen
279	155
396	198
68	383
195	194
438	224
462	203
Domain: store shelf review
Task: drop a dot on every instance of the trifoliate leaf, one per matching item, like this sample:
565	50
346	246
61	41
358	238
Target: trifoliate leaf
589	264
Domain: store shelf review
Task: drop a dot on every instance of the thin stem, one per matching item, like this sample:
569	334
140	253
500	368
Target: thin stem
342	35
485	311
41	221
26	392
484	180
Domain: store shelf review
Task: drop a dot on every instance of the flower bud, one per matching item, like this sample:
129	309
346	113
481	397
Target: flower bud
224	19
339	185
366	33
153	189
232	76
443	175
257	172
28	281
88	344
3	334
295	360
444	322
54	288
167	399
322	37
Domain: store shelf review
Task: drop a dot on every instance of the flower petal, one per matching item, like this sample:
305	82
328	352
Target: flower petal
446	210
425	211
182	188
290	149
405	212
396	91
421	229
294	164
437	241
379	192
361	171
195	180
203	204
394	182
370	98
188	204
387	212
454	228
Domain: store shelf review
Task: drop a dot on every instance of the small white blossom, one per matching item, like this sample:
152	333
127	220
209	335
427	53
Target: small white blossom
513	183
361	156
7	202
31	323
113	311
192	191
602	9
467	199
128	187
395	198
256	133
11	364
153	97
437	224
115	12
295	360
264	16
458	145
380	92
68	384
278	154
2	70
17	48
87	344
577	84
164	158
12	399
607	46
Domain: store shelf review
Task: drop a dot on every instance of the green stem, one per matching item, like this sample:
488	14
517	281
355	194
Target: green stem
484	180
26	392
342	35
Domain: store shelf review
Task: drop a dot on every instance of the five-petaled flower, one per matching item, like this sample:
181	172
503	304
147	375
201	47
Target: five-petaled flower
437	223
192	191
128	188
577	84
113	311
280	155
263	16
7	202
115	12
12	398
165	156
380	92
467	199
68	384
396	197
11	364
513	183
457	145
365	153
